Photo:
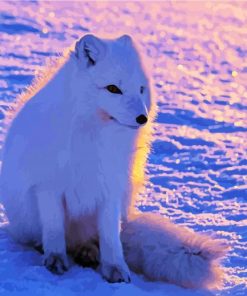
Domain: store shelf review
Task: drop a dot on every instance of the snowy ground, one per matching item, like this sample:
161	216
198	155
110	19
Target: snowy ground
198	163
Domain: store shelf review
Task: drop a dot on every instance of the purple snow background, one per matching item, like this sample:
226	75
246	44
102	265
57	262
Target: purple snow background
198	163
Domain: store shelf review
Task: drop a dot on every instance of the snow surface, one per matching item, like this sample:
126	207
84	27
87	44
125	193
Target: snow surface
198	164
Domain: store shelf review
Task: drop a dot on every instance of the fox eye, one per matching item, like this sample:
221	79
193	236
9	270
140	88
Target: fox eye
113	89
142	89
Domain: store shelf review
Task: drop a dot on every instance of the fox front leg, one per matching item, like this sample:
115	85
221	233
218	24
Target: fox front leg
53	237
113	266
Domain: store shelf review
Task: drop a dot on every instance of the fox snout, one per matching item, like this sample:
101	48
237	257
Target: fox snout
140	110
141	119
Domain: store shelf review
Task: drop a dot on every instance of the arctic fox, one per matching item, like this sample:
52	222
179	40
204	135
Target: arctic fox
72	162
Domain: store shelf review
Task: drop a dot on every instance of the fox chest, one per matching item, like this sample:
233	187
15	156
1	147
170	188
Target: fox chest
98	165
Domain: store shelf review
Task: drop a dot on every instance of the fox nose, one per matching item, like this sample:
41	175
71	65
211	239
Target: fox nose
141	119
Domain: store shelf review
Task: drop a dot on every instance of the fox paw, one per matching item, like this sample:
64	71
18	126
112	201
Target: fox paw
56	263
115	273
88	255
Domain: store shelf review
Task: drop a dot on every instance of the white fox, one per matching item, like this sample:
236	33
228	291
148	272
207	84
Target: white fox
71	163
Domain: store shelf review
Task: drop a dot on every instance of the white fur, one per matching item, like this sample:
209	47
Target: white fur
163	251
69	168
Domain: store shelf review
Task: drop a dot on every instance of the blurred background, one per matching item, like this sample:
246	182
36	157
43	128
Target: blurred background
198	164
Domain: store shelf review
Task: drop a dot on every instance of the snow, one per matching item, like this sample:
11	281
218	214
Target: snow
198	165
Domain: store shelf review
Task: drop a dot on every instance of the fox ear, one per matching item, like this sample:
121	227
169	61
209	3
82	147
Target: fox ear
89	50
125	40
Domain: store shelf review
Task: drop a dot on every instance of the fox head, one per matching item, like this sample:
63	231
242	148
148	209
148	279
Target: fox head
115	73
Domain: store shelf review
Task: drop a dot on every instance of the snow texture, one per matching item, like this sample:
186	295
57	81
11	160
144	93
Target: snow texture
197	167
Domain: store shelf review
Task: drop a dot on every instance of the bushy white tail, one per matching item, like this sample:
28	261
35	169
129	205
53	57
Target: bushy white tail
163	251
